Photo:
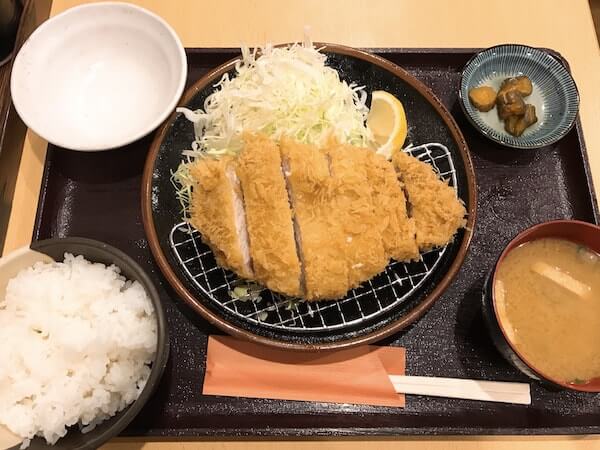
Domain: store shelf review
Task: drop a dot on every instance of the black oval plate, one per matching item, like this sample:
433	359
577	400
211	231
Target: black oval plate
428	121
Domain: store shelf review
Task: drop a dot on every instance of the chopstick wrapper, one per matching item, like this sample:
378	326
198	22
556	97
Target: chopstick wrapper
358	375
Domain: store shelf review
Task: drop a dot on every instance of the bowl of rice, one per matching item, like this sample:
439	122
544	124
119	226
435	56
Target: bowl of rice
83	344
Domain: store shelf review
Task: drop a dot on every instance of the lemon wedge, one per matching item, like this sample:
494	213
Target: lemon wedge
387	122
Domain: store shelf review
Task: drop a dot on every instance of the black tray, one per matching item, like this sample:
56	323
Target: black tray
97	195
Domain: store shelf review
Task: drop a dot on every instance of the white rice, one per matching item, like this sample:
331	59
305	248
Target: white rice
76	341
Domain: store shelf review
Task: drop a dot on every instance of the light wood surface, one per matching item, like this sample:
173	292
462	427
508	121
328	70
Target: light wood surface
565	26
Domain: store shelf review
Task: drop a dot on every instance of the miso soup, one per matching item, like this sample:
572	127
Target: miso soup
547	295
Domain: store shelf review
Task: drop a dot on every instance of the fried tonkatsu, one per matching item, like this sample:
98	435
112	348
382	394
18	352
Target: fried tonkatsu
434	205
314	223
357	212
217	212
397	229
268	216
322	241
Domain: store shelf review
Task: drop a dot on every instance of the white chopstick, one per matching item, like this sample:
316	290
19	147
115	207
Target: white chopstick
489	391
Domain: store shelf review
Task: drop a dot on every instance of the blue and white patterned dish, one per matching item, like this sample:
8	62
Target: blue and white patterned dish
554	95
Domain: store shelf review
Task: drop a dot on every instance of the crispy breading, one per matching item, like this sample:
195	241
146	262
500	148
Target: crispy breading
268	216
315	223
320	236
397	229
217	213
434	205
356	212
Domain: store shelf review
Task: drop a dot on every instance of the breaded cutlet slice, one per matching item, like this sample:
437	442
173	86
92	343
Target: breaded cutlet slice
268	216
217	212
355	211
320	237
397	229
434	205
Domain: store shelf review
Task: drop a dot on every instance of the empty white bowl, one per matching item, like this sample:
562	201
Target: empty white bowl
98	76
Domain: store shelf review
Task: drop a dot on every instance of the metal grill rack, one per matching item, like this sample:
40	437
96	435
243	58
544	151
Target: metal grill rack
385	291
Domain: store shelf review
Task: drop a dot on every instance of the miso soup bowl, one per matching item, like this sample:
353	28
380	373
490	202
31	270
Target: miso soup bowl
573	230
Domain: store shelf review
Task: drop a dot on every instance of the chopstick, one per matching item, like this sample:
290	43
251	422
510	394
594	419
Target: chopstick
489	391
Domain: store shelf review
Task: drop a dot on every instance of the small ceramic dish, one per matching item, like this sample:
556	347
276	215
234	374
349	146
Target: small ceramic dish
98	76
53	250
554	95
572	230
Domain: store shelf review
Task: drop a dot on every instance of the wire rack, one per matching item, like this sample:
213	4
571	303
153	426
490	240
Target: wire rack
387	290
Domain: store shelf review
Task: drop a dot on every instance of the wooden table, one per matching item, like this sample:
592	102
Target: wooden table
565	26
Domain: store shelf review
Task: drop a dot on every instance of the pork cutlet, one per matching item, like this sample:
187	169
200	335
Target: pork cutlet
314	223
434	205
217	212
268	216
322	242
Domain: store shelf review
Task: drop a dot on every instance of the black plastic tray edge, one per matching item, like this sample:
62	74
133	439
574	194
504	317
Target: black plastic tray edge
244	434
42	197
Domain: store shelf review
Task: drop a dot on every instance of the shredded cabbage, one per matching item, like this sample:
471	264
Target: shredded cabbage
284	91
